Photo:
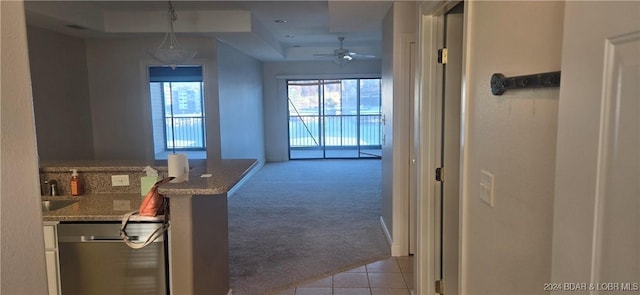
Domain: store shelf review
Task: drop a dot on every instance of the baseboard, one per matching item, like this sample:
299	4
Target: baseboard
395	248
386	232
246	178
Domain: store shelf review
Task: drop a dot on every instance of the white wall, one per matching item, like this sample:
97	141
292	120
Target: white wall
120	106
241	111
399	23
92	96
22	270
275	95
507	247
60	85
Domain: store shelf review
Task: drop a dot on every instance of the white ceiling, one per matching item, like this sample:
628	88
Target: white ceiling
311	27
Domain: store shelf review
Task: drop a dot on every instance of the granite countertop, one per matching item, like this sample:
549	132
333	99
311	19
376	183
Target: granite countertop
97	207
220	177
224	174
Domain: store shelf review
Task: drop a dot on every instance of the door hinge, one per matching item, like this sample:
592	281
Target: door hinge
439	287
439	174
442	56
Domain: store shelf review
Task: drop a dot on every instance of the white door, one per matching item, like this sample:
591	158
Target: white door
596	239
413	149
438	115
450	150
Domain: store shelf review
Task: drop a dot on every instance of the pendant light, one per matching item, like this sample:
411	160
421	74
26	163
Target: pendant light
169	52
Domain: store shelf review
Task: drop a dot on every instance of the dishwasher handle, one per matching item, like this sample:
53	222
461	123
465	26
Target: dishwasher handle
105	238
104	232
93	239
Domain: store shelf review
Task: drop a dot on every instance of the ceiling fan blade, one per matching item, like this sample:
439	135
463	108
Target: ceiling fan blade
361	56
324	55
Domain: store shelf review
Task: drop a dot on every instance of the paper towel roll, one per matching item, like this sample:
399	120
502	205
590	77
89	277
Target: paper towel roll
178	167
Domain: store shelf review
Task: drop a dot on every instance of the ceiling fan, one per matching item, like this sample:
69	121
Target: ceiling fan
343	55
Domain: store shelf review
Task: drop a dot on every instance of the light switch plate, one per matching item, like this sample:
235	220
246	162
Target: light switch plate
119	180
486	187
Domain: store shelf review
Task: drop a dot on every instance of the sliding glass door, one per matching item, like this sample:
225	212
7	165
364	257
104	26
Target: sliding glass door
334	118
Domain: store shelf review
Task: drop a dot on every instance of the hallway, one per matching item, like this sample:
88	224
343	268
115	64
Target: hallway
300	220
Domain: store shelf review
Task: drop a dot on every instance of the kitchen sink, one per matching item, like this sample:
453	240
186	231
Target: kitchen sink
51	205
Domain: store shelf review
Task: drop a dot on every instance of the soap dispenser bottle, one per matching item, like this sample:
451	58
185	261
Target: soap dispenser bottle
76	184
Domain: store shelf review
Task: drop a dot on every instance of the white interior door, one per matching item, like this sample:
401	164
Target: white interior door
597	191
451	150
413	149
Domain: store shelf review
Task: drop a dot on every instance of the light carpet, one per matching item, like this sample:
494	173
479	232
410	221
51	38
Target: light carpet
297	221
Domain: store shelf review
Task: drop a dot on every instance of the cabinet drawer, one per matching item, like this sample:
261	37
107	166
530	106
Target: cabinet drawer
50	237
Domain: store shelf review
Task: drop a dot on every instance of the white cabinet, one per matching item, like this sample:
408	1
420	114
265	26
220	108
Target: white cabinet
51	256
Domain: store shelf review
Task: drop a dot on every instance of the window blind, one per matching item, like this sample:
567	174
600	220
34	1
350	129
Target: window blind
180	74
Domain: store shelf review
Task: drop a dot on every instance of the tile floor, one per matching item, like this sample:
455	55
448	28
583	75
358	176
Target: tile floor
392	276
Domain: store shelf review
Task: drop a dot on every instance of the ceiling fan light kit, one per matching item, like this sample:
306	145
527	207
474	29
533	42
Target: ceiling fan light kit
343	55
341	61
169	52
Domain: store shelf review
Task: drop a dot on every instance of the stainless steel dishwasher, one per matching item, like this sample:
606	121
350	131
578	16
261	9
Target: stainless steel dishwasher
95	260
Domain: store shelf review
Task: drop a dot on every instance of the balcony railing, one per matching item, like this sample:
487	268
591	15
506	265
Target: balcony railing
335	131
188	131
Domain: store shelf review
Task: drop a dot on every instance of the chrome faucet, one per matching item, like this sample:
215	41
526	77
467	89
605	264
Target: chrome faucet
52	185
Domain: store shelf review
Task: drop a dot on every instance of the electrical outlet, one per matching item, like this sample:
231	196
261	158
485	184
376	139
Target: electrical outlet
486	187
119	180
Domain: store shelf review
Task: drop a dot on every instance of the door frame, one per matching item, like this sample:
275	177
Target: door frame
427	120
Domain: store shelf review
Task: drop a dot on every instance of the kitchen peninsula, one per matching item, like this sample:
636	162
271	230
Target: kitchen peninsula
198	234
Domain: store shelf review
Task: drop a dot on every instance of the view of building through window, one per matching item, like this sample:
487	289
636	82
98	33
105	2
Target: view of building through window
334	118
177	113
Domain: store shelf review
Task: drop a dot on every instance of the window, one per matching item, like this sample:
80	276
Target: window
177	110
334	118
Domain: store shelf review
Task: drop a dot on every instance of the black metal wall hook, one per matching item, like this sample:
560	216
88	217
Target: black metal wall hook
500	83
